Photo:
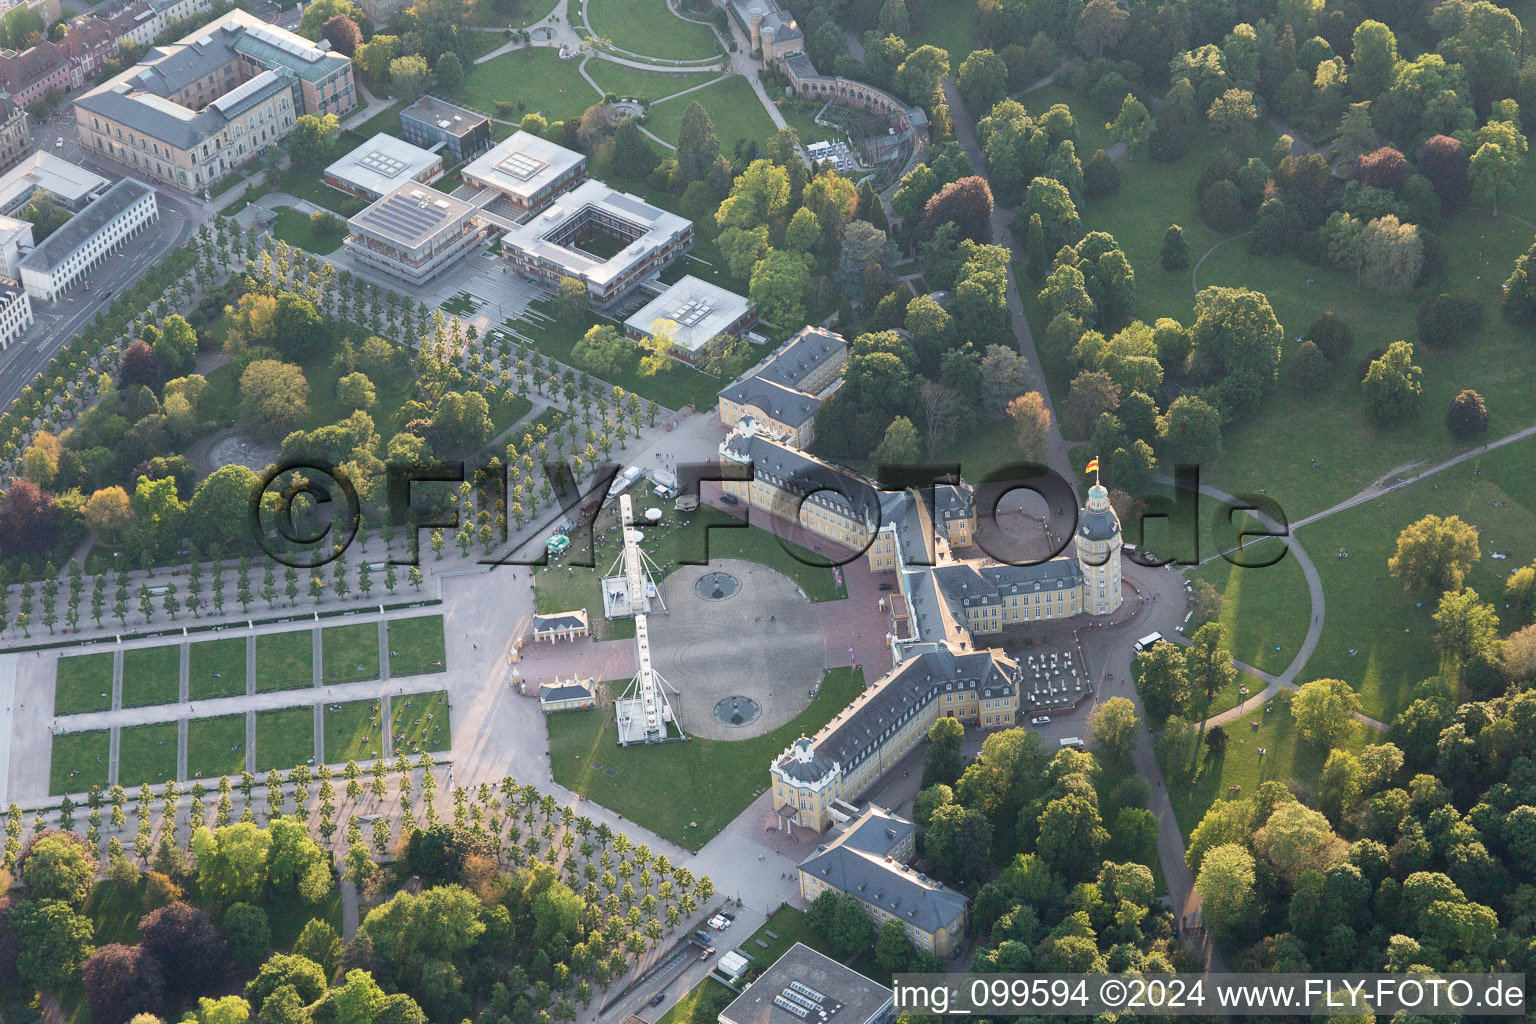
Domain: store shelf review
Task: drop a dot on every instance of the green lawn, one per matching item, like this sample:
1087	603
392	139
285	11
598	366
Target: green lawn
1264	610
209	743
1392	631
648	28
216	668
296	228
801	116
668	787
350	653
632	83
702	1005
1290	760
1088	120
948	24
526	14
285	738
309	183
674	389
414	731
416	646
114	910
146	753
788	927
732	105
79	761
83	683
284	661
535	77
352	731
152	675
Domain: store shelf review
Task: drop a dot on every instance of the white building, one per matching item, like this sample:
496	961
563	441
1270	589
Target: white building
383	164
15	312
88	238
528	170
413	233
15	242
693	311
70	184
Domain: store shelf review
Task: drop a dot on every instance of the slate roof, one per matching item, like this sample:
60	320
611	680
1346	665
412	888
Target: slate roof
965	584
1098	523
79	229
559	620
566	689
857	862
786	405
802	474
801	356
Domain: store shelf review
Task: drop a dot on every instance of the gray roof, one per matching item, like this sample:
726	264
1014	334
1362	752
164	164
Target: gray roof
1098	523
902	693
965	584
80	228
566	689
801	356
856	862
801	474
785	405
559	620
847	996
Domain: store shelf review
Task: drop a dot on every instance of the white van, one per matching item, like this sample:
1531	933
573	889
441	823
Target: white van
1147	641
1073	743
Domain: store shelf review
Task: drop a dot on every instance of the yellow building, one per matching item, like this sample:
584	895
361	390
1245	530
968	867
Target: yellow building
801	489
870	860
817	779
782	393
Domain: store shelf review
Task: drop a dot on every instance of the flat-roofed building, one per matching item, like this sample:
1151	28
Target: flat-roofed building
413	233
383	164
70	185
190	113
15	242
88	238
692	311
805	986
431	122
607	239
528	170
15	312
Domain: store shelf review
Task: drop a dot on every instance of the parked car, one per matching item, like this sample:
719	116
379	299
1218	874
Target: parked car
727	915
709	951
719	923
887	586
1040	720
658	998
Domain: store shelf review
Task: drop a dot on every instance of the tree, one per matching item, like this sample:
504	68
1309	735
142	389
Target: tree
1468	627
1134	124
983	80
1323	711
697	144
1058	214
900	446
1493	172
373	57
52	942
343	34
959	842
1374	59
865	248
296	325
759	195
177	346
1468	415
839	919
463	421
919	75
1446	320
968	203
893	950
1091	394
1296	839
778	286
312	138
183	936
1032	425
942	764
1208	661
228	1010
1443	161
1102	23
1164	679
122	982
107	512
1071	834
1114	725
634	157
29	519
274	396
140	367
1519	302
1333	336
247	930
1384	167
1226	886
320	942
58	866
449	71
1309	368
1389	253
355	391
303	975
1434	554
1392	386
1233	115
1190	432
408	77
1100	178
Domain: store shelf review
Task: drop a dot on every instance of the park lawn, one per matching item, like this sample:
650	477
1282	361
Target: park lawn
693	538
285	661
288	913
416	646
79	761
681	385
146	753
685	792
1087	119
208	746
351	731
152	675
788	927
632	83
350	653
285	738
414	731
1369	612
526	14
702	1005
949	25
1264	610
1290	760
115	909
83	683
297	229
733	106
801	116
649	29
216	668
386	120
309	184
534	77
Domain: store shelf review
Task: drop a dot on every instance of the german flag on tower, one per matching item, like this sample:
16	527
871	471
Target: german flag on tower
1092	467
